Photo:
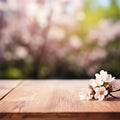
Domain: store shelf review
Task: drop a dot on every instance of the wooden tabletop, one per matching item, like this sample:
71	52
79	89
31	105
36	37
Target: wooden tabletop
51	100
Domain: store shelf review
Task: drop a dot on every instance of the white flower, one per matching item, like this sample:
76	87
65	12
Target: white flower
104	76
103	73
100	93
96	82
85	94
99	82
98	76
109	78
100	87
93	83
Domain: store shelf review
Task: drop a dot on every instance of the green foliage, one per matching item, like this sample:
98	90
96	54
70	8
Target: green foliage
114	10
13	73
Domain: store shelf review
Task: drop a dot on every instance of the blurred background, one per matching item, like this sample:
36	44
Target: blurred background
59	39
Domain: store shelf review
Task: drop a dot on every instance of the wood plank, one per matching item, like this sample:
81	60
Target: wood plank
60	116
28	95
6	86
48	100
36	96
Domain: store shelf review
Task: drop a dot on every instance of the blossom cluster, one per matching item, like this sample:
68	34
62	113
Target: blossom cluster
100	87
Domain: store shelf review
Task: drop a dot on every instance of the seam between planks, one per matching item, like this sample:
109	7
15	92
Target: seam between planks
11	90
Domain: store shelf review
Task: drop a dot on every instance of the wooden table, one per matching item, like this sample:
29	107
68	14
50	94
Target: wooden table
52	100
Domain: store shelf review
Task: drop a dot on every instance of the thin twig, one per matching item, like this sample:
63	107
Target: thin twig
116	90
112	95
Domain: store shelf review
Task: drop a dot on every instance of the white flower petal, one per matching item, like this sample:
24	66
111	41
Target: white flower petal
100	93
106	92
101	98
93	83
85	94
103	73
97	76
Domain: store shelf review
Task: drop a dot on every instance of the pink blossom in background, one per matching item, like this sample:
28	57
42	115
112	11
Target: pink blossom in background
46	32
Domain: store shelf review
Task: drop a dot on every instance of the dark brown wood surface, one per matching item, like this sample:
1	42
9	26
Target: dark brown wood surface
52	100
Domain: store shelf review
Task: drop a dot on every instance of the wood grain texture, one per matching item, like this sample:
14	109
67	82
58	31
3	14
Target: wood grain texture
56	99
6	86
